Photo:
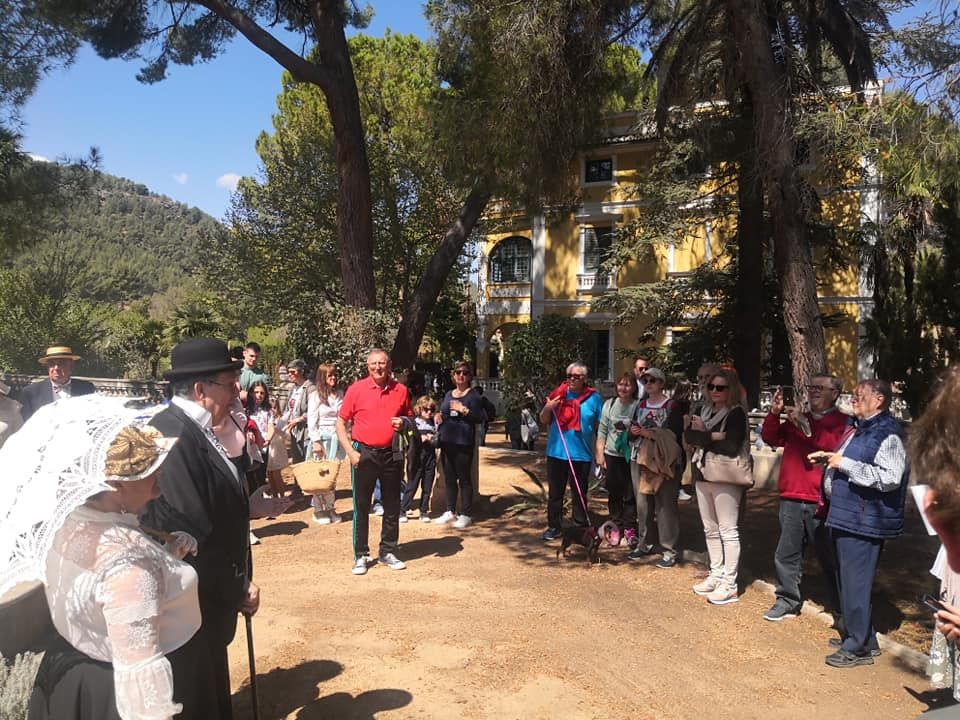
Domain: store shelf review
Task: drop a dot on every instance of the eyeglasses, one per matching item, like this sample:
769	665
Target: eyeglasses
818	388
573	376
716	388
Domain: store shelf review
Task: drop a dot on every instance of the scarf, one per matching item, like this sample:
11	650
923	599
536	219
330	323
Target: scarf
568	411
712	420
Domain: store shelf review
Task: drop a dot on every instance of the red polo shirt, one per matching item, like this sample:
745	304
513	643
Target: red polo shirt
370	407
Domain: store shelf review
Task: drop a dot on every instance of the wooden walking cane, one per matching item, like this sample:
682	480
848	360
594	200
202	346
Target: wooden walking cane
253	667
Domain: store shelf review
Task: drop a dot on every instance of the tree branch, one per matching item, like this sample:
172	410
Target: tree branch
301	69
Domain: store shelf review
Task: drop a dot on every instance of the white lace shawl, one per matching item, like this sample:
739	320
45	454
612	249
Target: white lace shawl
118	597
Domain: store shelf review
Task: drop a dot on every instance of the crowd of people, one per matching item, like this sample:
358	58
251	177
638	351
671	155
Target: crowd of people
146	557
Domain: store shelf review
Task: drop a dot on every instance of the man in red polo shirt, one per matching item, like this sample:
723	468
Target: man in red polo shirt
376	405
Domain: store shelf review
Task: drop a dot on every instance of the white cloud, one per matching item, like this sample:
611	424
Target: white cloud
228	180
181	178
39	158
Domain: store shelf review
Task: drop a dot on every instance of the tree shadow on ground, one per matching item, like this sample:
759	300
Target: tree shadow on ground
283	690
901	578
287	527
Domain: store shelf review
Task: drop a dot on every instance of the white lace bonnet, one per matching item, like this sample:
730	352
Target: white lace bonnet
52	465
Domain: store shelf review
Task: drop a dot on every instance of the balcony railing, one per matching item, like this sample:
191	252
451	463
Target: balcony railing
596	282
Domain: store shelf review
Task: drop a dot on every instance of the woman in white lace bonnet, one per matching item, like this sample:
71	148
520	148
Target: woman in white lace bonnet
124	606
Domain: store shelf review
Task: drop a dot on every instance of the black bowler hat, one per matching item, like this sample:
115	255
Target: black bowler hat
200	357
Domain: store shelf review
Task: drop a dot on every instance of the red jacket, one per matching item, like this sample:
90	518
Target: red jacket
800	479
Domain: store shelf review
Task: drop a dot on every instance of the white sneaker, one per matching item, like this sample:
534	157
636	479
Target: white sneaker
360	566
707	586
403	517
462	522
254	540
392	561
321	518
723	595
425	517
445	518
378	509
684	496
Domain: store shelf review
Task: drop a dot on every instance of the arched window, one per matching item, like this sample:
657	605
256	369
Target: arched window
510	260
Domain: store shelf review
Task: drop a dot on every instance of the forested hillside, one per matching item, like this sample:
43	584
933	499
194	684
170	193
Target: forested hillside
113	270
126	242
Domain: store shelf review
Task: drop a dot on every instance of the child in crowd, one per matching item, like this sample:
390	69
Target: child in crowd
276	439
421	472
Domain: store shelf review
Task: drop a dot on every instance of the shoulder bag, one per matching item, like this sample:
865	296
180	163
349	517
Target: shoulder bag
725	469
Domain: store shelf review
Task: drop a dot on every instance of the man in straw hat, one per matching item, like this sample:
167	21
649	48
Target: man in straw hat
59	360
203	494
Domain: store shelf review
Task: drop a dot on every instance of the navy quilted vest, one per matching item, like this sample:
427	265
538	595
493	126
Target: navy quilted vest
862	510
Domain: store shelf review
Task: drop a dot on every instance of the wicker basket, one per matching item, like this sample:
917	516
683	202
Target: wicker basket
318	476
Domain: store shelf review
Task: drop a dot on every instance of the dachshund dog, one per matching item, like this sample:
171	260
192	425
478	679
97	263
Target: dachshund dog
588	537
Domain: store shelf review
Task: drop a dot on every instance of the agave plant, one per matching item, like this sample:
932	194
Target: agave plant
537	500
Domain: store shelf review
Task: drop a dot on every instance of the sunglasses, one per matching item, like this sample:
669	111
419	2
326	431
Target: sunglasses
647	380
716	388
462	372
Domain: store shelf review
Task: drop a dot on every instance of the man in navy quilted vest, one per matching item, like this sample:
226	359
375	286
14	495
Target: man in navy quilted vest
866	482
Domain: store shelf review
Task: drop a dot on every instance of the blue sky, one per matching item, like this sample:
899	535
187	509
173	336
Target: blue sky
188	137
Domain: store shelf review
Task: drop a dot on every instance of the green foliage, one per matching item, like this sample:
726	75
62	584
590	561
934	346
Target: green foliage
524	85
42	302
537	356
30	46
344	336
16	684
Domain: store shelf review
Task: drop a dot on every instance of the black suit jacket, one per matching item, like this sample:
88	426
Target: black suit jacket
35	395
200	495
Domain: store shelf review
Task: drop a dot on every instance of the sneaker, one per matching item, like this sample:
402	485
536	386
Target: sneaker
378	509
837	643
360	566
445	518
551	534
684	496
843	659
254	540
391	561
424	517
640	552
666	562
321	518
334	518
462	522
706	587
403	517
779	611
723	595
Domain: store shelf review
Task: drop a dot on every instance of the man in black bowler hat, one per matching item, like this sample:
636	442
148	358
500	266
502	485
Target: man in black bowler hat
202	494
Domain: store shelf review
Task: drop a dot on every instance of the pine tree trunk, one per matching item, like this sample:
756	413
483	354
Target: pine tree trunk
354	209
751	230
417	312
774	137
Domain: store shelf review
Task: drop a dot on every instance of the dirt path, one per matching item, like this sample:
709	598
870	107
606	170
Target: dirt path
486	623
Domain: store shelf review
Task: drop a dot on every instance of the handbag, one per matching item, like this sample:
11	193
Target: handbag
725	469
731	470
318	476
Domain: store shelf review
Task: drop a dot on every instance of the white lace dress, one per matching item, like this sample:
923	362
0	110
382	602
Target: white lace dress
119	597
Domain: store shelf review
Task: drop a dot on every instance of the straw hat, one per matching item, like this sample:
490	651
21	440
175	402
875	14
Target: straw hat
57	351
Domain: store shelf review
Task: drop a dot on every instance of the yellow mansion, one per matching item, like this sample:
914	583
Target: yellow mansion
539	266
